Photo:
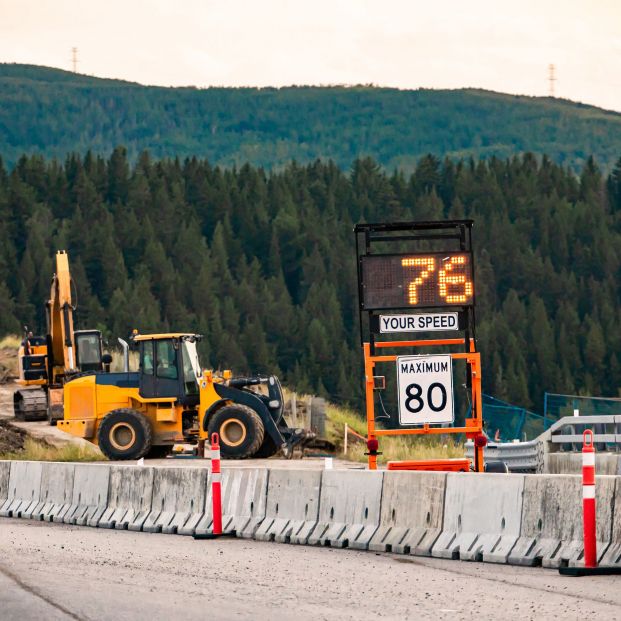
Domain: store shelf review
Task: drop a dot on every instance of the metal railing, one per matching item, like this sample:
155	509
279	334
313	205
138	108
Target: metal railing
565	435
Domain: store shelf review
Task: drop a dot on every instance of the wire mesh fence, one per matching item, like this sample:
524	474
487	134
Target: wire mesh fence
505	422
557	406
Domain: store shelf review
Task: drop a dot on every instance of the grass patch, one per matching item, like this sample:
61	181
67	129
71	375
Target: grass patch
10	342
38	451
392	448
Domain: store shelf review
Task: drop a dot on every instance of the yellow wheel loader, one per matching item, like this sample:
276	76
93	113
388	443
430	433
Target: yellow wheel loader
46	363
170	400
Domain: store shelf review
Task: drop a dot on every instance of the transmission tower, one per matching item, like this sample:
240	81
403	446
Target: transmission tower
74	59
551	78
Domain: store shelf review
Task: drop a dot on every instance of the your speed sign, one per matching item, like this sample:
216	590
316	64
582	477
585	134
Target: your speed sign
425	385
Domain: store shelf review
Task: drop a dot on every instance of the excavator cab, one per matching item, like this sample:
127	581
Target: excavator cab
32	360
88	350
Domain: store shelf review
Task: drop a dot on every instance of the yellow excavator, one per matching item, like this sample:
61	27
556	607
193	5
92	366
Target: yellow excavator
46	363
170	400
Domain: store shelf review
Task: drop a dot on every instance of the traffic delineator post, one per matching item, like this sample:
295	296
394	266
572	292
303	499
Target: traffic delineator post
216	490
216	484
588	499
589	519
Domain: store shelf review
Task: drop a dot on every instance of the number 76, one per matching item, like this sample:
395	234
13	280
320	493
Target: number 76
453	286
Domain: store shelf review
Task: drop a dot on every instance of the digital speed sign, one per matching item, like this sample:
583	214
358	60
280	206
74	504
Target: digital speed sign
417	280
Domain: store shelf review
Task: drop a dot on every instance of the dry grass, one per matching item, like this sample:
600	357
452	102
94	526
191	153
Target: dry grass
38	451
11	342
392	448
8	356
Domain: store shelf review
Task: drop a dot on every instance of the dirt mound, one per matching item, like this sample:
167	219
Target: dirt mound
11	438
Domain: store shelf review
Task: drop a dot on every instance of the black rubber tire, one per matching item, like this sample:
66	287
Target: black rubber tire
142	434
159	451
249	420
267	449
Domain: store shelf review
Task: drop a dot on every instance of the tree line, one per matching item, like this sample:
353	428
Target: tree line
263	263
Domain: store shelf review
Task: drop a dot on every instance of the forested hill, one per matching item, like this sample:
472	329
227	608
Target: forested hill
54	112
263	264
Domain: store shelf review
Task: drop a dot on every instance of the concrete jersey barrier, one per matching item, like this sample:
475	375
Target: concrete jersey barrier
178	498
520	519
55	493
482	517
612	555
24	487
349	508
244	498
292	506
412	512
5	473
551	533
90	495
129	498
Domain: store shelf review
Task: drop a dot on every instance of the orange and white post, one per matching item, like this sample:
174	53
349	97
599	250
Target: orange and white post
216	484
588	499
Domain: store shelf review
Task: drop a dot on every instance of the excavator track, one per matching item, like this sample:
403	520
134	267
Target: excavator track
30	405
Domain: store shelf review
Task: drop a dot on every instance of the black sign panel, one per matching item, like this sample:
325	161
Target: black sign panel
417	280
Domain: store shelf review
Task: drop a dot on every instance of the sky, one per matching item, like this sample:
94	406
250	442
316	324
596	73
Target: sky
493	44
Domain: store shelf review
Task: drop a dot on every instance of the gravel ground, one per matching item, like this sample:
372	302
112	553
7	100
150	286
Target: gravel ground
55	571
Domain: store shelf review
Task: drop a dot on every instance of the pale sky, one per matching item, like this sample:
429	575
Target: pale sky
492	44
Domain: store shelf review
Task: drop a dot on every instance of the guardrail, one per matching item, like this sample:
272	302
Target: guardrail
565	435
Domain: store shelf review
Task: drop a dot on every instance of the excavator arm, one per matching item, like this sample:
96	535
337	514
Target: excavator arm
61	345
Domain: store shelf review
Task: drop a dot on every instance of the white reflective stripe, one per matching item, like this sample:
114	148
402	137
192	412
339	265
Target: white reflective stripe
588	491
215	454
588	459
216	477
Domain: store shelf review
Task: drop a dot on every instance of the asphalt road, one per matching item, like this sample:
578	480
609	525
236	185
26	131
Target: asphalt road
55	571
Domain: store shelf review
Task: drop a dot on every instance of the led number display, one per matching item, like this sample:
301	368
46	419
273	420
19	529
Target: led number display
417	280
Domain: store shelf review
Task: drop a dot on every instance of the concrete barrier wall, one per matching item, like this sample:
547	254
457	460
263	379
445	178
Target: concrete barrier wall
129	498
612	554
292	506
412	512
349	509
519	519
90	494
482	517
244	500
55	494
178	498
571	463
5	472
24	487
551	533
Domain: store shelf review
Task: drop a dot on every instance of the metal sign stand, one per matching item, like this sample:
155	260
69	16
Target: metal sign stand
412	281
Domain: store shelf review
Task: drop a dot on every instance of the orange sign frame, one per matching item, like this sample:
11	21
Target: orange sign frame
473	426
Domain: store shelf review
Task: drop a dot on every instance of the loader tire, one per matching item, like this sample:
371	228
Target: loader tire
124	434
240	429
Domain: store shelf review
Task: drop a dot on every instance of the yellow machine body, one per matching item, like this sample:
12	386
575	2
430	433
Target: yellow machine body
87	403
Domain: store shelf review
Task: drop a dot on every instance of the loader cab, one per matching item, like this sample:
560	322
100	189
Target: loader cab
89	350
169	367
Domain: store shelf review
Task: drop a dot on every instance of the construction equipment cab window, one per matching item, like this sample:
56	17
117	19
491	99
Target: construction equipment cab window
169	368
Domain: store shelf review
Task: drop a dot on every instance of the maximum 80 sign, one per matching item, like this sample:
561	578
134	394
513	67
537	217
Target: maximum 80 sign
425	385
